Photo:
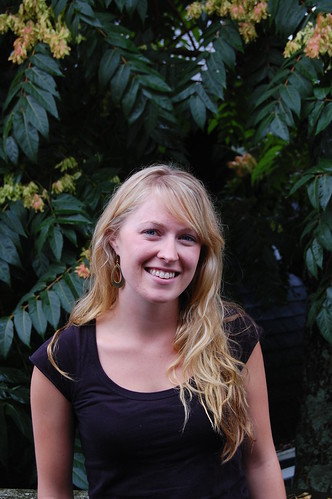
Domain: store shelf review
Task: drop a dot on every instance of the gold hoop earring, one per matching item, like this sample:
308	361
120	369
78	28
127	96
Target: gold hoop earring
116	273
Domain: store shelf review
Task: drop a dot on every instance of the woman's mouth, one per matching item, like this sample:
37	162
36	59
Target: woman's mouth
162	274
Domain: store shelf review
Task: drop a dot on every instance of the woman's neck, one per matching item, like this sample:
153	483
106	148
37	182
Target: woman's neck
143	319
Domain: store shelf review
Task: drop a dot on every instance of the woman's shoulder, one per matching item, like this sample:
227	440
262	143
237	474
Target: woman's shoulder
62	365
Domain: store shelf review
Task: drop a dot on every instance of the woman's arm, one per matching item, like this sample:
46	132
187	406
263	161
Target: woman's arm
53	429
261	463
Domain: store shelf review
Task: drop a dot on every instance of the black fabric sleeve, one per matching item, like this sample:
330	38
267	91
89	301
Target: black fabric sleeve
65	356
243	335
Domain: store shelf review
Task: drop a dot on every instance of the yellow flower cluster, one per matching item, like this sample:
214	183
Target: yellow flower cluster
243	165
29	193
247	13
35	23
315	41
66	183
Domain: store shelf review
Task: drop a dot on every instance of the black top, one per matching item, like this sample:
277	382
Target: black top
133	442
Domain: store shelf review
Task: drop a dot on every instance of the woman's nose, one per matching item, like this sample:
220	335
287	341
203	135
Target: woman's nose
168	250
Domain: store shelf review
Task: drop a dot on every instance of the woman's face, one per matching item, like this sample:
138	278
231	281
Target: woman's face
158	253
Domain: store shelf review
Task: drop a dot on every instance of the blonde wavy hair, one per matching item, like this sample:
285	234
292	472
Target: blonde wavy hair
201	340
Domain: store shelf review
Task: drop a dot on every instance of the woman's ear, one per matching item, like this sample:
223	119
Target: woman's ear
113	243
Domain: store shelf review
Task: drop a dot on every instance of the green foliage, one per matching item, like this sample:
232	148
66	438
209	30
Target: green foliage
143	82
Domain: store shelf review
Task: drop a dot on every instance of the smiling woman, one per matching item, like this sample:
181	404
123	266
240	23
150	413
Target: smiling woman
163	378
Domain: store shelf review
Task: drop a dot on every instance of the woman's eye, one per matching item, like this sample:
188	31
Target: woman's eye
189	238
150	232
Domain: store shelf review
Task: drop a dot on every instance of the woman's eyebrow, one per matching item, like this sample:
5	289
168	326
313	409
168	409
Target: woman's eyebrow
151	222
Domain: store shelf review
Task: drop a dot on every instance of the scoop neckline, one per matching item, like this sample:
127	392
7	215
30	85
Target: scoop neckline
126	392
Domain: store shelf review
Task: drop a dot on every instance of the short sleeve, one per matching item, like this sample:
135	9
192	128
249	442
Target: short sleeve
65	356
243	335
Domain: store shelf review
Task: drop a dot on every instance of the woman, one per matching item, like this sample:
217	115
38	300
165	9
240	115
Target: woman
163	379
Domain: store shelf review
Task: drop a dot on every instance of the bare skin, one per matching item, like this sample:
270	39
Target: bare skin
260	461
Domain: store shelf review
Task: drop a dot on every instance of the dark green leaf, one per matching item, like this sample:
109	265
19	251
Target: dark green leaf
86	13
312	191
44	98
14	88
12	376
4	272
58	6
46	63
8	252
154	82
42	79
306	67
6	335
324	190
279	128
288	16
66	297
303	180
37	315
36	115
20	394
310	262
198	110
119	82
74	219
66	204
324	235
314	115
138	109
74	283
14	218
317	252
23	325
325	118
321	92
206	99
324	322
44	231
142	7
291	98
265	95
151	117
26	135
51	307
129	98
70	234
12	149
226	51
216	67
108	64
79	473
211	85
131	6
187	92
303	85
323	6
262	113
120	4
56	241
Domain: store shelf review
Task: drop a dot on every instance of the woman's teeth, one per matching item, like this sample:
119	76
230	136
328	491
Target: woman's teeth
162	274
